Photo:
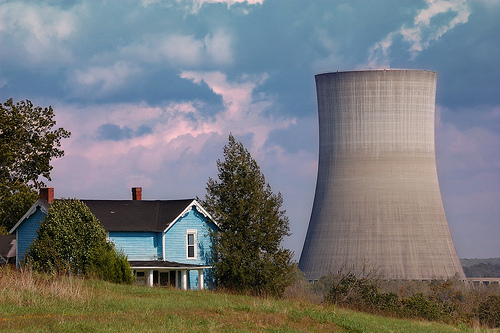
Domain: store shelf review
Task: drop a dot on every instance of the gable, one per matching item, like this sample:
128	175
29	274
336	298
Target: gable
175	238
40	203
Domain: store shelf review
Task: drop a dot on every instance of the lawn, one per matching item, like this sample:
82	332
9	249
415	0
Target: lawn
34	303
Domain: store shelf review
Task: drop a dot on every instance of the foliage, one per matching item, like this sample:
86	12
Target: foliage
28	142
15	200
483	270
247	253
443	301
71	240
419	306
489	311
3	230
111	265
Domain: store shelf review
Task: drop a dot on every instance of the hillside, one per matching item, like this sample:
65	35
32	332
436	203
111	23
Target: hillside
39	303
471	262
481	267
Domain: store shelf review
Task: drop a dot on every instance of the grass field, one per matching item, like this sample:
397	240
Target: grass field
34	303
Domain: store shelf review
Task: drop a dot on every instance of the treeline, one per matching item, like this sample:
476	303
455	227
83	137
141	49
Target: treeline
489	267
466	262
483	270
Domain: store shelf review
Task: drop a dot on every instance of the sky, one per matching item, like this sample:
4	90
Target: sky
151	89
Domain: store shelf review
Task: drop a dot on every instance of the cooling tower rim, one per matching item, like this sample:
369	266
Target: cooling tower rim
376	70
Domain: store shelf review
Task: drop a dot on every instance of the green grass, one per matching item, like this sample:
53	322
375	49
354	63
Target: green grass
29	302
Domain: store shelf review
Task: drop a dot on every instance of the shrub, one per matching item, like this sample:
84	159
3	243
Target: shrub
419	306
442	302
71	240
110	265
489	311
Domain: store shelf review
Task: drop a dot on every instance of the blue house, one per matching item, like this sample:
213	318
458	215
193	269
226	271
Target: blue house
167	241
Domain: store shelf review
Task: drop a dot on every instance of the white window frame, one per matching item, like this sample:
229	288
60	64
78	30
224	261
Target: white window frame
193	232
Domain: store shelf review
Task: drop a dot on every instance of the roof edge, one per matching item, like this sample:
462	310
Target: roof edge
188	208
44	206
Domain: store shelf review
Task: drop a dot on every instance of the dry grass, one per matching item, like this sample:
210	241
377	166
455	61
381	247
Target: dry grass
27	288
41	303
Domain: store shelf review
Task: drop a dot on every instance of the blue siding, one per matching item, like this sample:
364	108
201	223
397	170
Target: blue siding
26	233
138	245
175	243
175	239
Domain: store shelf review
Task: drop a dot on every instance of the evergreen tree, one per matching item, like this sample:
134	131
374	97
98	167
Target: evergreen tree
247	252
71	239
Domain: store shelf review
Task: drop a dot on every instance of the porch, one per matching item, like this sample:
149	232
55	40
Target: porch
167	273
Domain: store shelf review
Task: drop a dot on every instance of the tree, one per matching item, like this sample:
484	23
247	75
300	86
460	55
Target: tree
72	240
28	142
247	252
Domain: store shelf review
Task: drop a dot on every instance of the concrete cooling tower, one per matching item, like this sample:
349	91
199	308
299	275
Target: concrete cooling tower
377	203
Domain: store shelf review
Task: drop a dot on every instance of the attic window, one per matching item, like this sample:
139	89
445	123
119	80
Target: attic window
191	244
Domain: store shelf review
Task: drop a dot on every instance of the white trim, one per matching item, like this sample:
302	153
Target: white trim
195	244
188	208
163	245
17	250
44	207
184	279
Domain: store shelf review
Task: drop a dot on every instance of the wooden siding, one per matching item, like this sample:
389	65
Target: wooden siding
175	239
138	245
176	247
26	233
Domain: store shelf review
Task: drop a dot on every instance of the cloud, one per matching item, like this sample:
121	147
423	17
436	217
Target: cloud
469	175
430	24
194	5
218	47
181	50
157	136
102	80
116	132
41	28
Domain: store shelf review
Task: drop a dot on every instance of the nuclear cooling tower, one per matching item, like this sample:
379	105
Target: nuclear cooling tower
377	203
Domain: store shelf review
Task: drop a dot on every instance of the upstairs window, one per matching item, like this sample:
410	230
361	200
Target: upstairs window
191	244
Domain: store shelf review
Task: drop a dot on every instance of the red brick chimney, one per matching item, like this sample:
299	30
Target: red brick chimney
47	193
136	193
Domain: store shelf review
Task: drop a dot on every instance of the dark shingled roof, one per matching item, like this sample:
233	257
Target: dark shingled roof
137	215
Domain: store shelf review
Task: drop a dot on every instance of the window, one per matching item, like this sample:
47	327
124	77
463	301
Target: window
191	244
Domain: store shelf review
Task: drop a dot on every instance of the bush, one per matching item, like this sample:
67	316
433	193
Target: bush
443	302
110	265
419	306
489	311
71	240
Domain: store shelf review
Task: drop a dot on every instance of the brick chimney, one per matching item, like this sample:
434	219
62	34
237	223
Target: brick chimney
47	193
136	193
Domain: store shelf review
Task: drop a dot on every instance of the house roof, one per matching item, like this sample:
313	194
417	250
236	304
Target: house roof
138	215
164	264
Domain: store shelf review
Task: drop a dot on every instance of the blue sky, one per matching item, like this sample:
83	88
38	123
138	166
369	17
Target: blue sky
151	90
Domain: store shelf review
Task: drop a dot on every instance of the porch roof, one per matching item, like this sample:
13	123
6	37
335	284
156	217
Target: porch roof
164	265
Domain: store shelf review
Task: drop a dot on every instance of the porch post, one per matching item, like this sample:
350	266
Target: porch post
184	279
200	279
149	281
